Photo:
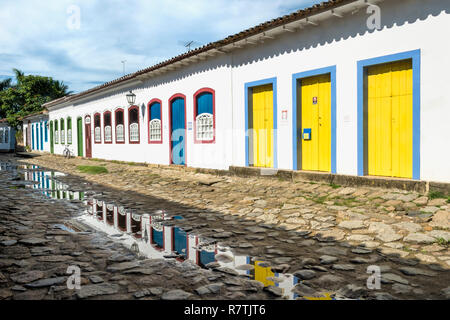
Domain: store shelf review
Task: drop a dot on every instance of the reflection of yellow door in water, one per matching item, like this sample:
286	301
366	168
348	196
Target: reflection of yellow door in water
316	115
389	125
262	273
262	98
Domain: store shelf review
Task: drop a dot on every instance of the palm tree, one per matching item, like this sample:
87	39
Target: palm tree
5	84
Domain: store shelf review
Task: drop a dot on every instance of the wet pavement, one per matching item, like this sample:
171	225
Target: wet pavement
134	246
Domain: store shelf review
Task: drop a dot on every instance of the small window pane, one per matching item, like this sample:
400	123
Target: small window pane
155	130
108	136
97	134
204	127
134	132
119	133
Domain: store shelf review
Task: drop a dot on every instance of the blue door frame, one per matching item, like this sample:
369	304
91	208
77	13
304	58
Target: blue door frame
248	87
362	65
296	79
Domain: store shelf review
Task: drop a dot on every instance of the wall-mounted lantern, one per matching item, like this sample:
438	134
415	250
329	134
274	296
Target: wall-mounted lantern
131	98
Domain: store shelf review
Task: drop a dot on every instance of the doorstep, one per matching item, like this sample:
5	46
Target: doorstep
344	180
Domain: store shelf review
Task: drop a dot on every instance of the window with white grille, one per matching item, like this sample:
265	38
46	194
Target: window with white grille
6	136
155	130
108	134
134	132
69	136
107	125
56	136
204	127
97	134
119	133
62	136
1	135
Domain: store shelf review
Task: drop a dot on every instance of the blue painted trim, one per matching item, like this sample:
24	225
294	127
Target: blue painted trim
32	136
295	79
248	86
248	262
415	56
41	132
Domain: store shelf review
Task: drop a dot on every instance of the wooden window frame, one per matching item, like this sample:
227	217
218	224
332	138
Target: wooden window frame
104	127
149	105
196	94
129	124
123	124
100	116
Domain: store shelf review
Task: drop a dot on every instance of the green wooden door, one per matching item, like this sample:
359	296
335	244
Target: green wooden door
80	136
52	146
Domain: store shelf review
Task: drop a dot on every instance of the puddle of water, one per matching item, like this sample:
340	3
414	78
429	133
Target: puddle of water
156	235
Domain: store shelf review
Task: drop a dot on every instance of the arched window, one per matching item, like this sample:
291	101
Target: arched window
154	121
107	127
63	140
56	132
133	124
97	128
69	130
204	116
120	132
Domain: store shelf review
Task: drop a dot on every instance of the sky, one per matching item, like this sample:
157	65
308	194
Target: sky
84	42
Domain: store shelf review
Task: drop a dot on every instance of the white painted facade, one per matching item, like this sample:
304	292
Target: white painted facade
37	129
406	26
7	137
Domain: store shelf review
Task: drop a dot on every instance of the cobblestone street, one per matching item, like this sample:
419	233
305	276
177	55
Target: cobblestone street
312	240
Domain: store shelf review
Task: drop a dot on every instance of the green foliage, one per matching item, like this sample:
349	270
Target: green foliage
27	95
92	169
443	242
435	195
438	194
334	186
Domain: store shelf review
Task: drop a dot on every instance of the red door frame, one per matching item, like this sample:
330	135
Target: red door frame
88	138
177	95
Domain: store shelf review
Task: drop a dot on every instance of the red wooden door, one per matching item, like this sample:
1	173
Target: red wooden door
87	130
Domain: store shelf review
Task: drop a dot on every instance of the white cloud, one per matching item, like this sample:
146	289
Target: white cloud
35	37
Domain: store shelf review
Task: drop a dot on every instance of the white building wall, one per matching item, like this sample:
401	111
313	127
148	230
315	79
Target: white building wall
7	138
36	146
406	25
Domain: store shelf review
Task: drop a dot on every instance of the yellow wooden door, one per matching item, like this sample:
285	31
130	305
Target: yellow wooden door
316	115
262	98
262	273
389	125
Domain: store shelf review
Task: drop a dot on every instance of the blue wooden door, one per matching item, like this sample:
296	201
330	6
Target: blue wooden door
179	241
42	137
158	237
206	257
178	134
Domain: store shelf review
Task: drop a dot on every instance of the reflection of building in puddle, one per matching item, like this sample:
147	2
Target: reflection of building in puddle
51	188
151	237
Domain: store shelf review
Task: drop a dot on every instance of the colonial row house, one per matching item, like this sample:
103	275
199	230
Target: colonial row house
36	132
7	137
343	87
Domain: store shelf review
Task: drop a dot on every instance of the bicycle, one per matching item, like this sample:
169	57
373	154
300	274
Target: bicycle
67	153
